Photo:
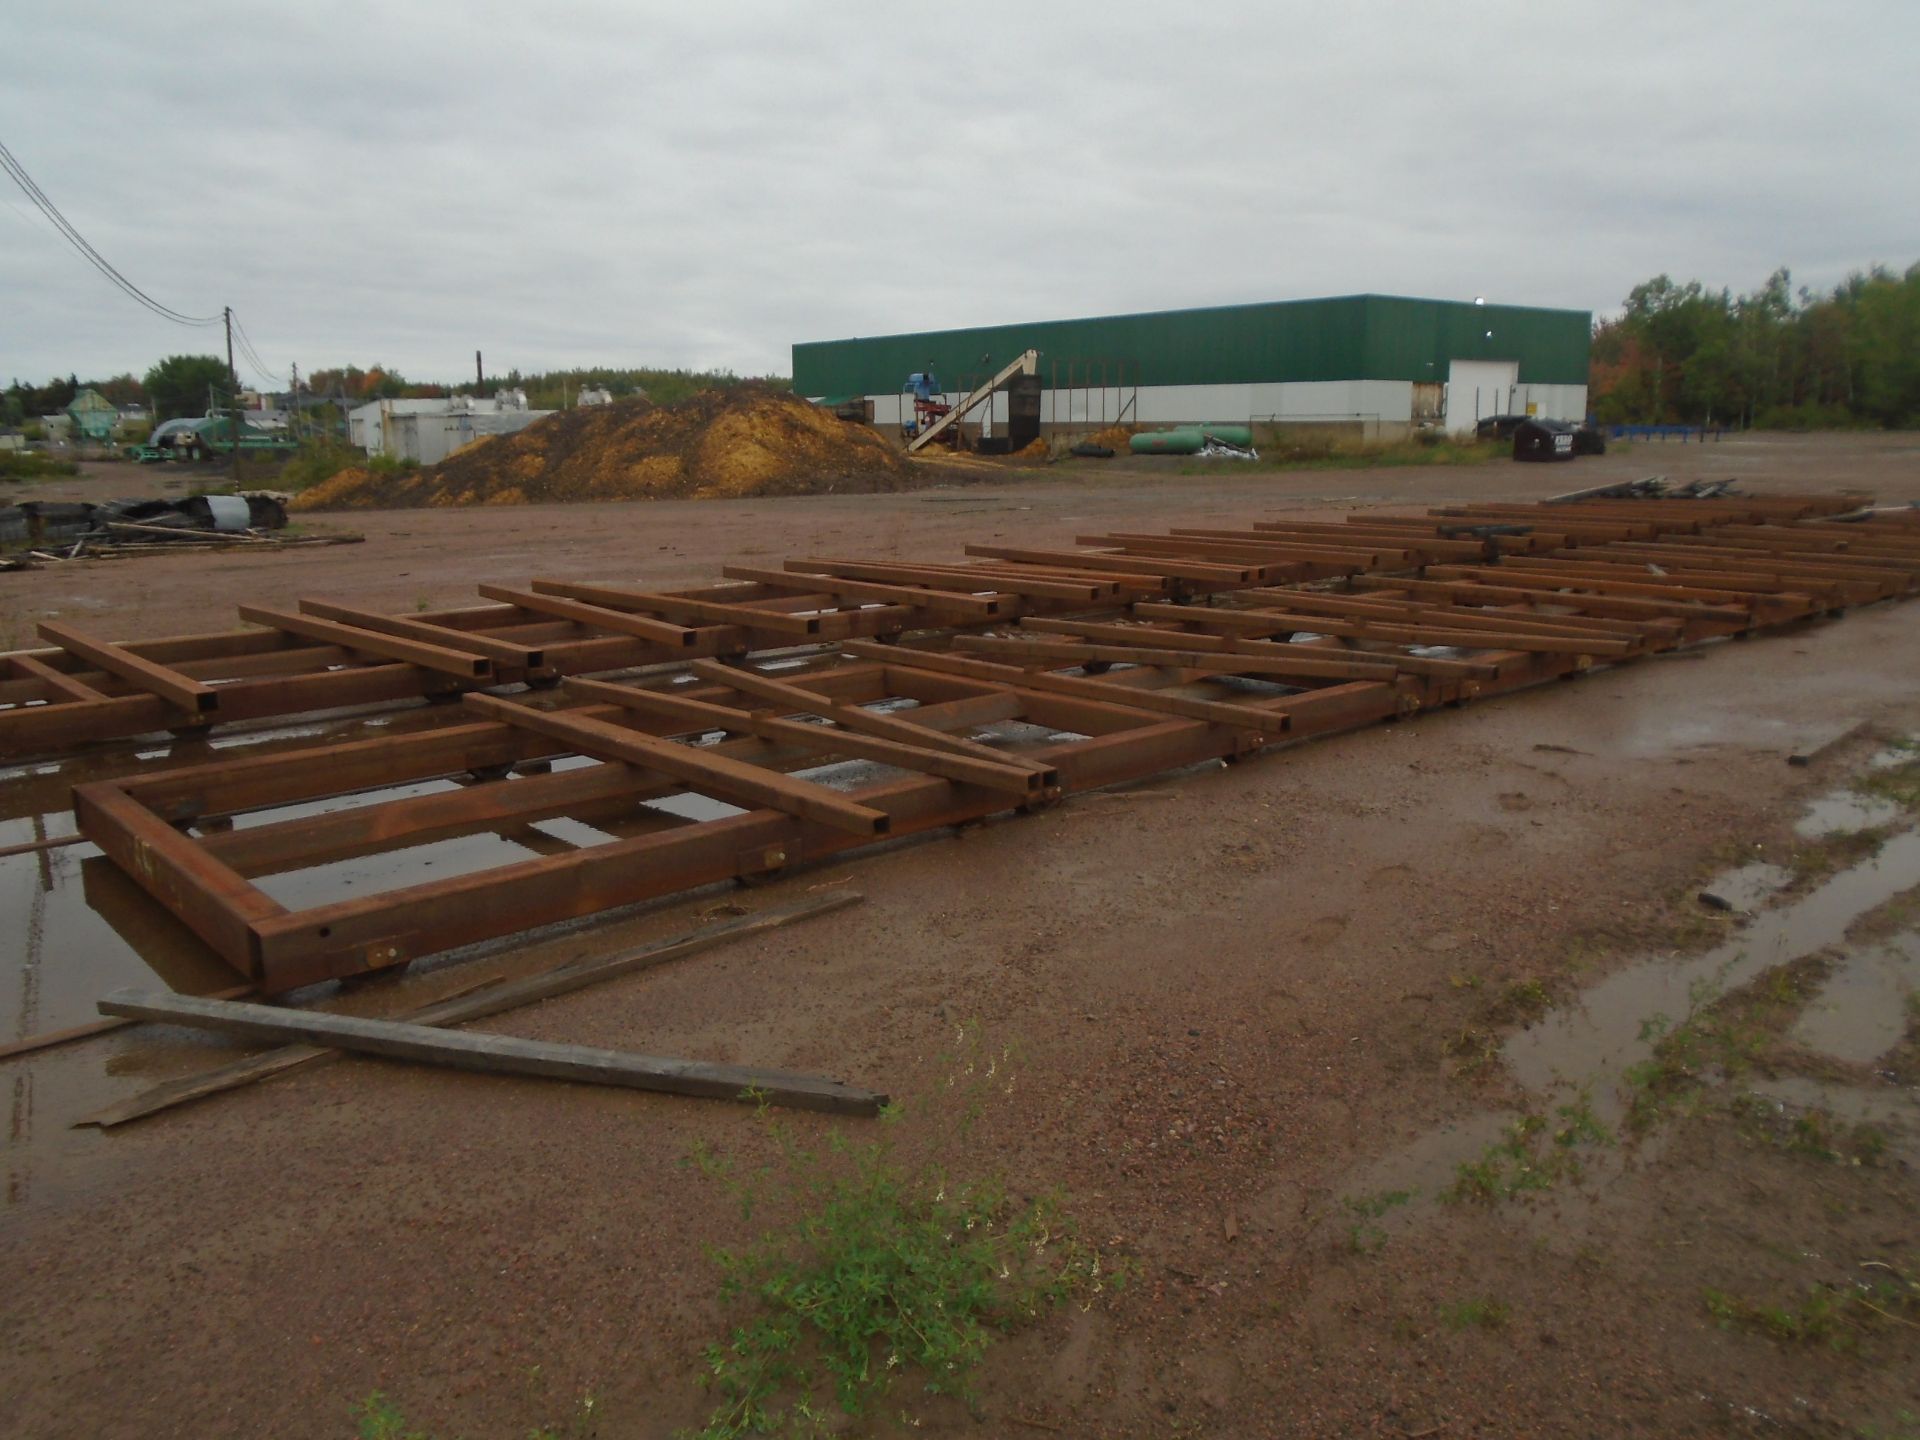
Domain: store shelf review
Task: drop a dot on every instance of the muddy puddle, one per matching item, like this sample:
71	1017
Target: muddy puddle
1581	1053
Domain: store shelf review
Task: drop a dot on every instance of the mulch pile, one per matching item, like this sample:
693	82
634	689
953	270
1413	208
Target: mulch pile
746	440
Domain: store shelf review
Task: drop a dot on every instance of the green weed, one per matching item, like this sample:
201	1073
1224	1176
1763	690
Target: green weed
1536	1154
378	1418
889	1270
1481	1313
1723	1037
1832	1315
1898	783
33	465
1365	1235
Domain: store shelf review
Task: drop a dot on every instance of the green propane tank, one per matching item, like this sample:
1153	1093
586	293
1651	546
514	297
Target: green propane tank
1241	435
1166	442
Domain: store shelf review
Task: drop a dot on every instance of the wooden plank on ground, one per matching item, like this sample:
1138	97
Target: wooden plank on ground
498	1054
458	1010
156	679
718	775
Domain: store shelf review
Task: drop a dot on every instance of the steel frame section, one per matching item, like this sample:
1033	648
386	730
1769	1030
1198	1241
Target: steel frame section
1127	684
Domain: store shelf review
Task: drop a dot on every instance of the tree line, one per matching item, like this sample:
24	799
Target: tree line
1775	359
187	385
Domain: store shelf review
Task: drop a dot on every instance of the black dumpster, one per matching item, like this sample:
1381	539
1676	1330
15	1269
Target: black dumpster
1535	439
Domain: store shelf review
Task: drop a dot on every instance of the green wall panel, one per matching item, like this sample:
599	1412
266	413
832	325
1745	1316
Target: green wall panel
1355	337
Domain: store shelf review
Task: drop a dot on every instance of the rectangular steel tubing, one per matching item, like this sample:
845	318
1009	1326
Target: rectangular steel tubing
1771	563
701	714
215	903
1280	665
1316	602
1491	591
1267	552
707	773
1246	718
950	576
501	652
382	929
57	684
1374	661
462	664
1676	572
1136	567
1406	634
170	685
361	829
799	700
945	601
1605	583
1431	546
616	597
566	605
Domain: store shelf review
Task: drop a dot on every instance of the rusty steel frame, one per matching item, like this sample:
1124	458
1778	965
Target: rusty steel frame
1085	644
1128	684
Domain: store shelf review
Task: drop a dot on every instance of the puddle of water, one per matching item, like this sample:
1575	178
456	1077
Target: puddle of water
1745	891
1847	1103
1593	1042
1861	1011
1846	812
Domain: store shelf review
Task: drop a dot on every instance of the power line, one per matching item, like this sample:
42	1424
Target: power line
251	355
18	173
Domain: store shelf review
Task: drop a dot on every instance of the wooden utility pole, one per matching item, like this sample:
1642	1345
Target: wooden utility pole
233	398
479	374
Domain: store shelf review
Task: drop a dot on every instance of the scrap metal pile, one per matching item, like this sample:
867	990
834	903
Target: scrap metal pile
833	702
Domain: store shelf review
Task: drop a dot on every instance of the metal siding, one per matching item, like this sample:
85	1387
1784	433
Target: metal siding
1355	337
1418	339
1234	344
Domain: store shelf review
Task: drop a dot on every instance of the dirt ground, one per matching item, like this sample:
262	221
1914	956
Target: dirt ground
1263	1015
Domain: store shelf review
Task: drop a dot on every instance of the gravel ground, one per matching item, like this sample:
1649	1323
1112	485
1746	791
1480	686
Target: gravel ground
1237	996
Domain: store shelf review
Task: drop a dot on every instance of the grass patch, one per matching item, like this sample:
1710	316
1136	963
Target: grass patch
1898	783
1814	860
1722	1038
33	465
1836	1316
323	459
888	1271
1814	1132
1537	1154
1365	1235
1480	1313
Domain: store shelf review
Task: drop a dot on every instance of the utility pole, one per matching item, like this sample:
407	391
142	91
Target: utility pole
479	374
293	405
233	409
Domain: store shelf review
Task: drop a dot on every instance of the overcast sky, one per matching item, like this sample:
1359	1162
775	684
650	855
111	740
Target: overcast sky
701	185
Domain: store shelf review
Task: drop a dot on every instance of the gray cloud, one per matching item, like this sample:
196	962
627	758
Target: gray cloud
703	185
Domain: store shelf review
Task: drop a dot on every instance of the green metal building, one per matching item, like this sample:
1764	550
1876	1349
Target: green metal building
1373	361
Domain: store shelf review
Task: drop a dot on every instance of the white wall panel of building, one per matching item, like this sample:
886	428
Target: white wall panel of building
1368	402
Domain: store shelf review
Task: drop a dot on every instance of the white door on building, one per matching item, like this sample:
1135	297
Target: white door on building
1478	388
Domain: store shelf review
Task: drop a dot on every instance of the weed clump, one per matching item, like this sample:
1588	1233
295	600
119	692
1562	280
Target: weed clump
1536	1155
887	1271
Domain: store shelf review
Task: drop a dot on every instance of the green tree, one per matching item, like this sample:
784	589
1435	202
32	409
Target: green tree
181	384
